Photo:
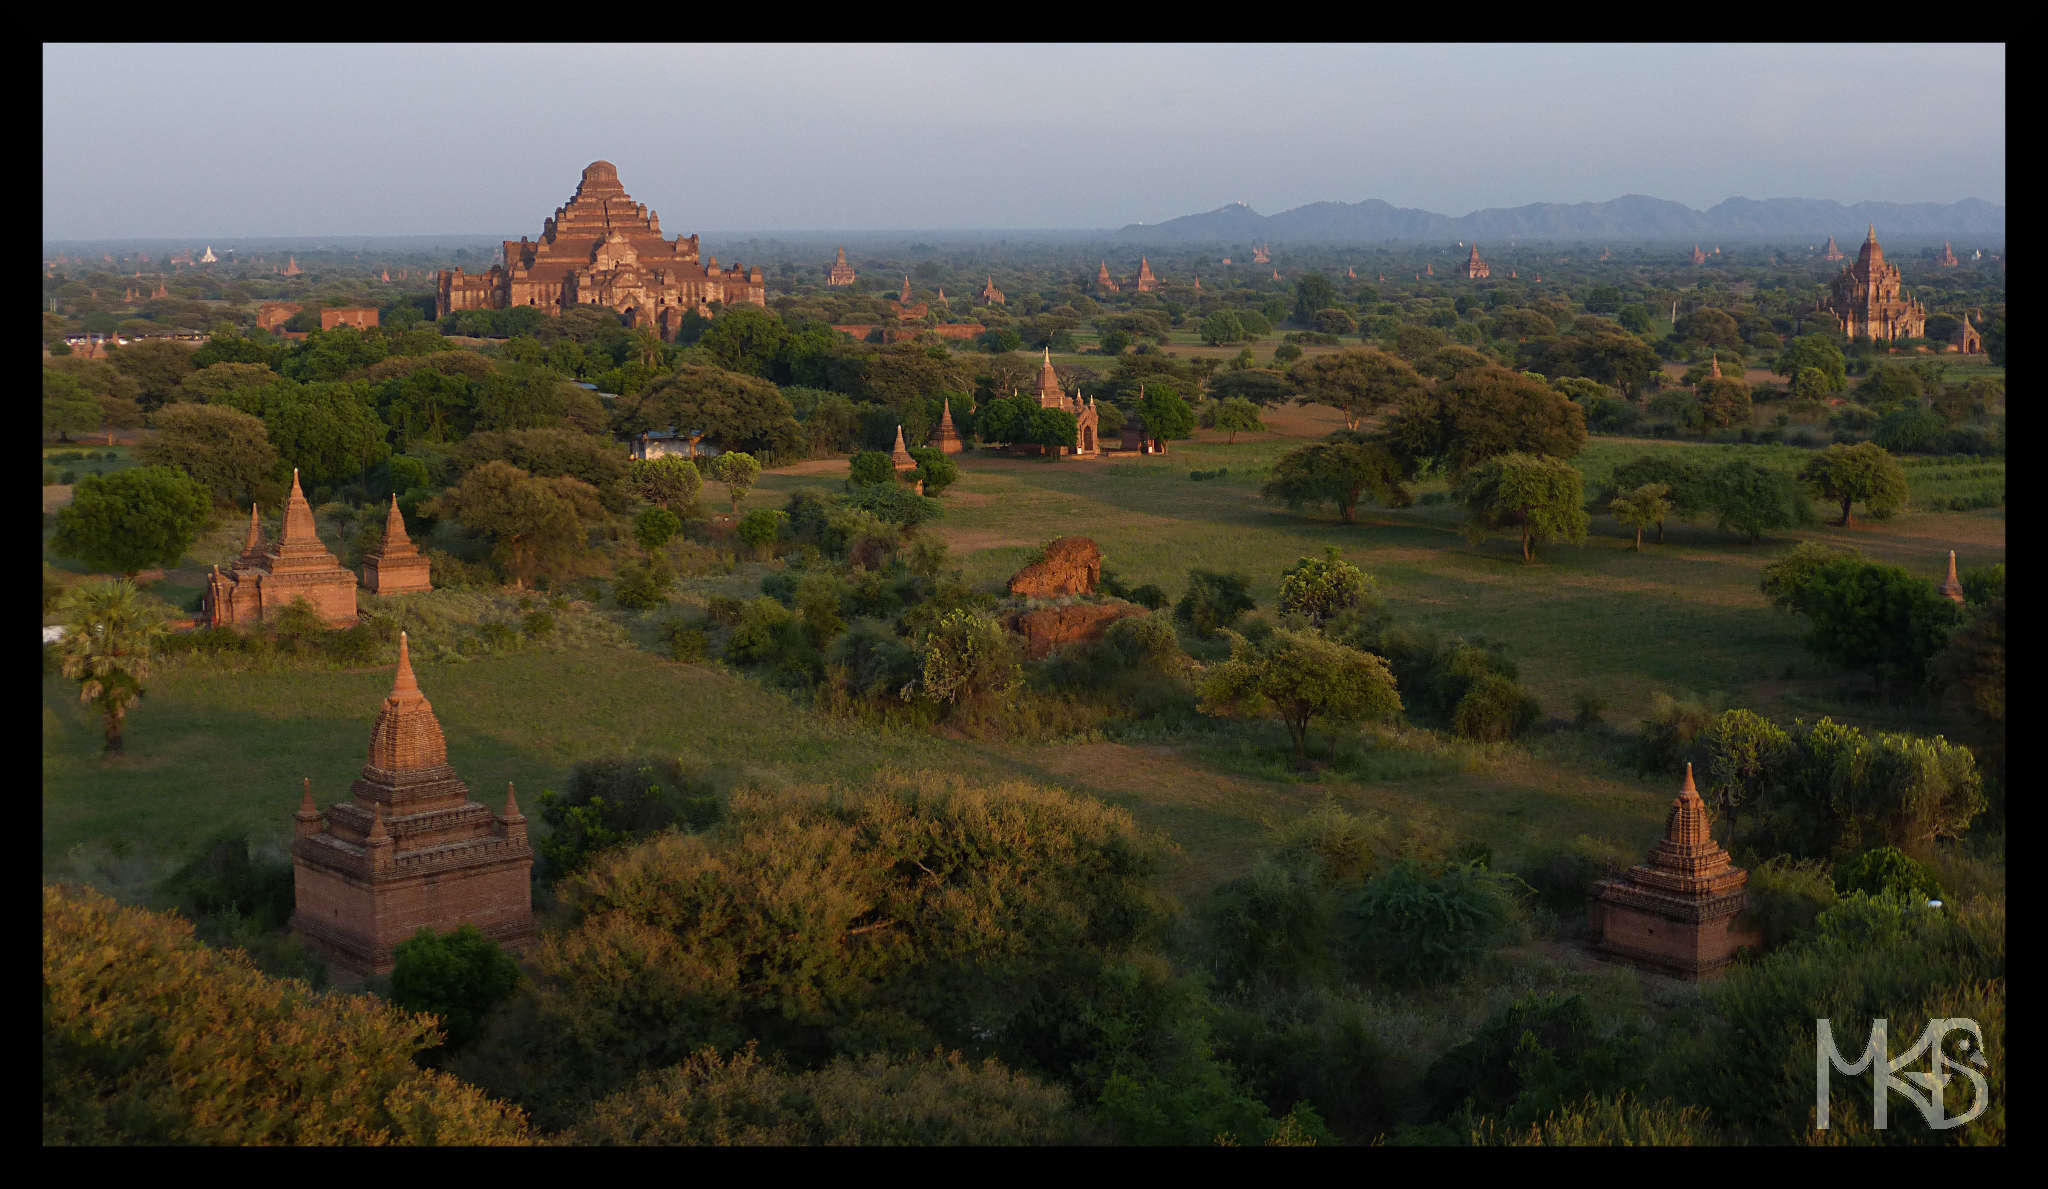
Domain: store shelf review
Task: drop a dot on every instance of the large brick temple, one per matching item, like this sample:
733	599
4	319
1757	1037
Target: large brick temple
1870	298
1677	913
603	249
409	850
265	580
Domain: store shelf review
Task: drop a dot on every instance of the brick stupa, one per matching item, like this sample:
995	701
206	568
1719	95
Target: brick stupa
1678	912
410	850
900	455
264	581
397	567
1951	587
945	438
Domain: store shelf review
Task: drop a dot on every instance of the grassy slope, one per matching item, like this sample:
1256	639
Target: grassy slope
209	751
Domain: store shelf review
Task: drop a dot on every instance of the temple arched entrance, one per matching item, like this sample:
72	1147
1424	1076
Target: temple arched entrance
1088	439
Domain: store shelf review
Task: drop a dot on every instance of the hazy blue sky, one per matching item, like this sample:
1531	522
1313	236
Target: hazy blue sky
253	140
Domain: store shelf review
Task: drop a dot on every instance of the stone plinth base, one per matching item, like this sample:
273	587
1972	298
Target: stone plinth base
397	575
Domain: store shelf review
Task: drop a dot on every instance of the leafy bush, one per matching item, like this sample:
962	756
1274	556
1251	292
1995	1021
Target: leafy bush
640	586
685	641
1408	928
456	977
1887	871
1494	709
1213	601
618	799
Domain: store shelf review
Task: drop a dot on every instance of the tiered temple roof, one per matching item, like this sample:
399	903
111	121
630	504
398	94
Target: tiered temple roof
602	248
841	272
264	581
410	849
1870	298
945	438
1146	282
1475	268
397	567
1677	911
899	454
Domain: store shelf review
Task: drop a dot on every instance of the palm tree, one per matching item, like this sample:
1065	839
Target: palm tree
110	638
649	347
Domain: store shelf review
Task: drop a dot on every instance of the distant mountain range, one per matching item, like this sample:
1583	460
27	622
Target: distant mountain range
1630	217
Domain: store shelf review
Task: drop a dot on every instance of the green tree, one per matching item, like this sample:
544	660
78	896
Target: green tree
871	468
1864	472
876	1100
156	366
225	449
329	431
152	1038
1312	292
1235	415
1300	677
1257	385
1165	415
668	481
537	523
1820	352
1322	587
935	469
109	647
1645	506
67	407
1752	499
1878	618
968	658
1724	403
1479	414
1213	601
737	470
1747	755
1539	499
739	412
1221	327
455	977
128	521
1355	382
1338	474
655	527
745	339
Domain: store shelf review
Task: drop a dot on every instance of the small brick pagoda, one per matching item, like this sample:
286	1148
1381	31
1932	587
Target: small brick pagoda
1475	268
1146	282
397	567
841	272
1104	281
945	438
264	581
1086	417
1678	912
1951	588
410	850
900	454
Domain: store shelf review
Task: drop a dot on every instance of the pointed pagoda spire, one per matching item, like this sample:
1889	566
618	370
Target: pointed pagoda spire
377	831
511	804
254	541
1714	368
1951	588
1688	789
307	810
394	526
1871	238
298	518
404	682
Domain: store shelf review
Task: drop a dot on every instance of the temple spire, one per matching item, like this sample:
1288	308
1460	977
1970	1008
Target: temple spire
404	683
511	802
1688	789
255	539
1951	588
394	524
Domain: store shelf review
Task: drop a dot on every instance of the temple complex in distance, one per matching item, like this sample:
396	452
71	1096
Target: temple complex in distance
1475	268
1833	252
603	249
1870	299
409	850
397	567
1676	913
991	294
842	272
264	581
